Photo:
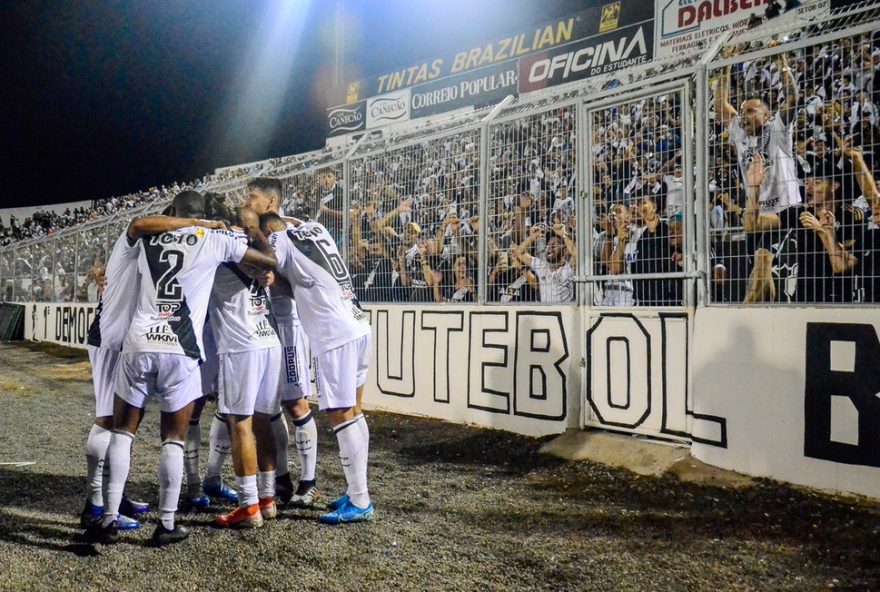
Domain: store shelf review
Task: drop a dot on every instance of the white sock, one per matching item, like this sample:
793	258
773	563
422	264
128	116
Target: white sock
96	451
220	448
282	441
192	445
170	480
353	457
119	460
266	484
247	490
365	432
306	436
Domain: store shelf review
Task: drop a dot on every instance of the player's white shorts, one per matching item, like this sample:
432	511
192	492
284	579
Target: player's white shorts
296	380
208	372
248	382
340	371
174	378
104	361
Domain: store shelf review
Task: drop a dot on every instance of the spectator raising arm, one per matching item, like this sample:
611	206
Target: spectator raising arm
724	111
788	109
752	219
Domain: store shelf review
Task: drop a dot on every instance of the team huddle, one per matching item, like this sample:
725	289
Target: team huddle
211	301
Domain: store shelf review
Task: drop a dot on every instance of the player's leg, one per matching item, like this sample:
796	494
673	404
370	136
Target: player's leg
178	383
99	435
337	375
191	452
306	439
264	407
219	451
136	378
294	385
363	428
238	384
218	439
295	400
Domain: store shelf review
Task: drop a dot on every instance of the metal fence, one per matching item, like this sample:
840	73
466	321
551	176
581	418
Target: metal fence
737	174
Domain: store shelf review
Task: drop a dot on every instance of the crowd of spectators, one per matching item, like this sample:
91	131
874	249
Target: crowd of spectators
793	159
792	213
47	223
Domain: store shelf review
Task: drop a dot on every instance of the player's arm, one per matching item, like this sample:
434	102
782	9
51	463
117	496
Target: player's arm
724	111
788	108
261	254
281	286
292	220
150	225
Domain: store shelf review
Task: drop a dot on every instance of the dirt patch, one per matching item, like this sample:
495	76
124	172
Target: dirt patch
74	371
13	387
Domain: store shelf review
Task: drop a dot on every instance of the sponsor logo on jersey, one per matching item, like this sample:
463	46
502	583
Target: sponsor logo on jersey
175	239
167	311
162	335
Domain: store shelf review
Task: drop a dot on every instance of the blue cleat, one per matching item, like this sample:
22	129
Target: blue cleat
126	523
217	490
132	508
338	502
90	515
349	513
200	502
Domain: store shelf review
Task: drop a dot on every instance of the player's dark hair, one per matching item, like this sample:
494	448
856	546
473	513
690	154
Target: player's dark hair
217	207
188	204
269	185
270	219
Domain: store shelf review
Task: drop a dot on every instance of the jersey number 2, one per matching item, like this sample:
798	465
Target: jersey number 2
167	288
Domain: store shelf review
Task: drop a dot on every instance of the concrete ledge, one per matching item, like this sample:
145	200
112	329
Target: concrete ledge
641	456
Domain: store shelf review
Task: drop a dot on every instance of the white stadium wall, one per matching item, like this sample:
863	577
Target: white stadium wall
799	390
786	394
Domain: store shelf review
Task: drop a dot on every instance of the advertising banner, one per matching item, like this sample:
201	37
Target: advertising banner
346	119
618	49
387	109
477	88
685	24
595	20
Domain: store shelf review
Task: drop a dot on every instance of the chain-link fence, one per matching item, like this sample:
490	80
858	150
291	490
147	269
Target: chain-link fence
751	177
793	142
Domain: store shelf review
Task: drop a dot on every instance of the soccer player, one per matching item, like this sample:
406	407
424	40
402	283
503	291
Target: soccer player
162	351
199	493
309	264
250	365
105	337
264	196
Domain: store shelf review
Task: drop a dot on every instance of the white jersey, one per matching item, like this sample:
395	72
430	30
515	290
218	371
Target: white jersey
177	272
779	189
329	312
118	301
240	310
554	286
284	307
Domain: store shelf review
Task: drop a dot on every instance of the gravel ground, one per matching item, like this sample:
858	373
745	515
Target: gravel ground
459	508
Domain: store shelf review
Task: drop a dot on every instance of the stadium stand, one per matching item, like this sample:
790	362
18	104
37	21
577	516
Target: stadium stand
463	208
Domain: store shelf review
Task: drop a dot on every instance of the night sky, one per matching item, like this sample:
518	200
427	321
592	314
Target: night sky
107	98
